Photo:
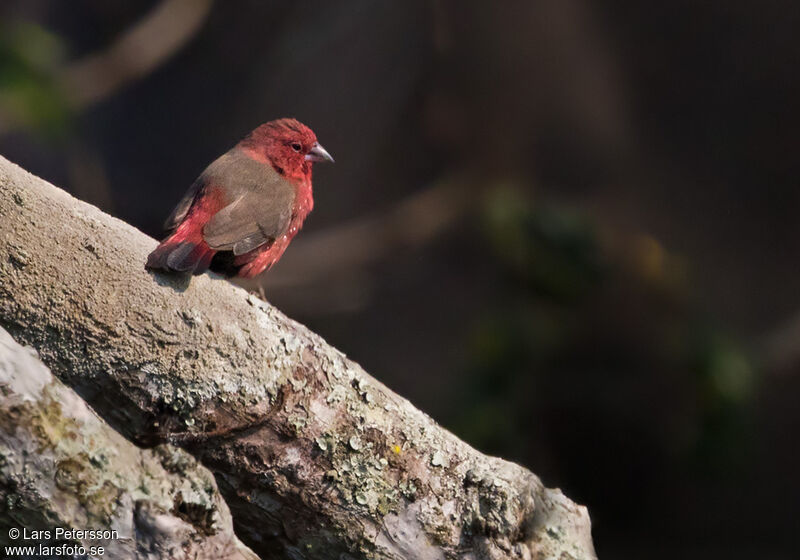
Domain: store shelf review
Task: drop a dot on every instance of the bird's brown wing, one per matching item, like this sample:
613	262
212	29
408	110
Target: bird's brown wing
260	209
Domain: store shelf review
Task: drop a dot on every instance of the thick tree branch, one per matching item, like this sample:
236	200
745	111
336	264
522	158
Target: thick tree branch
315	458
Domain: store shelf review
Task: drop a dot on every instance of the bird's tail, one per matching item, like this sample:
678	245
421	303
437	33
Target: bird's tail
179	254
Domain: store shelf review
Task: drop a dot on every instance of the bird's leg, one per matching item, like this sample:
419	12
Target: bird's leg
259	292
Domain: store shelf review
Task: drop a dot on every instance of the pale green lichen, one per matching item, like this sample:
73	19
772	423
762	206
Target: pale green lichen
298	422
355	443
438	459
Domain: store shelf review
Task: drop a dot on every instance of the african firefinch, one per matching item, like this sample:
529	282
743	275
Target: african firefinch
239	216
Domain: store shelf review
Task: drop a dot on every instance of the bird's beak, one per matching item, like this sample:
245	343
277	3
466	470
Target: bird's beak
318	153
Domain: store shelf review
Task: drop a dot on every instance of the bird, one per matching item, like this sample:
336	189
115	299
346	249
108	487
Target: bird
241	213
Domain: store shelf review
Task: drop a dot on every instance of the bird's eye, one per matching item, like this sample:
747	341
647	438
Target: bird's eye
296	146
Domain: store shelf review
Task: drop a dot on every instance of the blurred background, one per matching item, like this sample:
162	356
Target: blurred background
565	229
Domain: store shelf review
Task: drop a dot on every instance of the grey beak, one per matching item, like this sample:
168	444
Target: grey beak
318	153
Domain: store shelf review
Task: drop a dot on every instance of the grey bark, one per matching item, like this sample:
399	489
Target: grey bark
61	466
316	459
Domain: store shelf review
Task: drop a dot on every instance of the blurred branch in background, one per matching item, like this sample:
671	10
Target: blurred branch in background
38	90
345	252
136	53
504	217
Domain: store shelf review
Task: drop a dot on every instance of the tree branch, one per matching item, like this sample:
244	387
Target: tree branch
316	458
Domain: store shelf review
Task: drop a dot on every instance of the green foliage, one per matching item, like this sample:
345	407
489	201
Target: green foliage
587	331
29	93
724	384
551	250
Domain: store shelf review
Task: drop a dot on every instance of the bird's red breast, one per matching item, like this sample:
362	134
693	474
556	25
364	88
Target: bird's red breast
243	211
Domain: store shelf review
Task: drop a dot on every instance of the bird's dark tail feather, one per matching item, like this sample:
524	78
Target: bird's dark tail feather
181	256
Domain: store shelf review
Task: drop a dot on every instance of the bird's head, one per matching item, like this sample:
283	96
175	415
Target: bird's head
288	145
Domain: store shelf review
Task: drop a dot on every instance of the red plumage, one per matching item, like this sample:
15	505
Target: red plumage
243	211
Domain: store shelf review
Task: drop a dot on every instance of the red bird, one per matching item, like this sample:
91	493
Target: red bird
241	213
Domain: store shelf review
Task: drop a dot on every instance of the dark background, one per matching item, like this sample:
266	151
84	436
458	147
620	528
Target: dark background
567	230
